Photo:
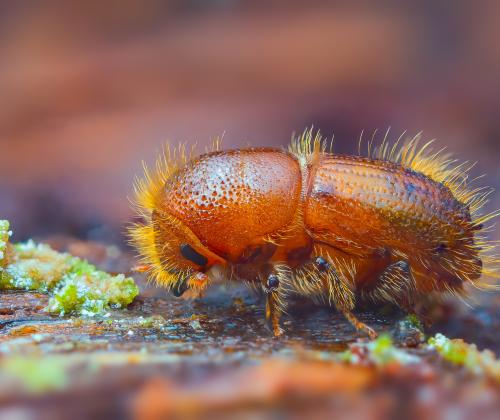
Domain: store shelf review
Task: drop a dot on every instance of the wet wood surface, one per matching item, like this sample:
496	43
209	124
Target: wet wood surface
216	357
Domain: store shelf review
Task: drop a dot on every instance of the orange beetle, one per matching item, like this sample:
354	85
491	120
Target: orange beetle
391	227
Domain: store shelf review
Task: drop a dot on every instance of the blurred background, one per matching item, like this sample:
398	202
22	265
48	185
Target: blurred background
89	89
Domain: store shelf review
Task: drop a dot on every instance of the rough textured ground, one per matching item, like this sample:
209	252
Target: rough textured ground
216	357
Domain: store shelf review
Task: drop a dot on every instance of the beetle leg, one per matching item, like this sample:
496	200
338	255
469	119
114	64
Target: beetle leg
192	286
273	284
341	293
197	283
360	326
273	313
394	285
334	277
179	288
397	285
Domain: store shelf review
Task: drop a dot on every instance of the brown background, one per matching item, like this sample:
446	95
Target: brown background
88	89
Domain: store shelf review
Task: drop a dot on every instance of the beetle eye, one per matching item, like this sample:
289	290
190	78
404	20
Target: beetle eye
190	254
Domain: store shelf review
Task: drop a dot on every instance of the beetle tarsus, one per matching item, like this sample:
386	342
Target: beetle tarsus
360	326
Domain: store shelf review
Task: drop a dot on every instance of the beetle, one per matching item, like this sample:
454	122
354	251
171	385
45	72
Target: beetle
392	227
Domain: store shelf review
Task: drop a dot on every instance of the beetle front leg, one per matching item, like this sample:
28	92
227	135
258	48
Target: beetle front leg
273	285
273	311
274	279
192	286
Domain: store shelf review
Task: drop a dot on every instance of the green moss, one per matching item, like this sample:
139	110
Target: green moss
37	375
35	267
413	321
75	286
154	321
382	351
4	239
379	352
346	356
460	353
81	267
93	293
450	350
